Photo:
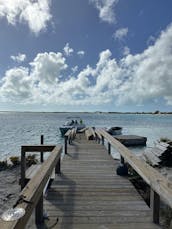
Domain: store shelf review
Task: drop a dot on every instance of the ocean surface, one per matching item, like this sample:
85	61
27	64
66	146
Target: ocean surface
19	128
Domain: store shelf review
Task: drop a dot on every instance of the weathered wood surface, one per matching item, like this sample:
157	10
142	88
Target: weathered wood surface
89	194
159	155
32	171
90	133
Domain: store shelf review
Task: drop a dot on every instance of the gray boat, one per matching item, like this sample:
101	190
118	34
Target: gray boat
117	130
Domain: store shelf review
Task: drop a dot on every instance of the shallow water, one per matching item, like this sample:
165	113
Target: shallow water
25	128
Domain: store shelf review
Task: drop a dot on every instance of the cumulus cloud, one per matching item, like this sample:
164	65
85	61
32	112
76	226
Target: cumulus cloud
19	58
120	33
35	13
126	51
81	53
149	73
133	79
67	50
106	9
75	69
47	68
16	85
151	40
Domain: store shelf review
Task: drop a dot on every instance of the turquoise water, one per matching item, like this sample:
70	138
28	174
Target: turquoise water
25	128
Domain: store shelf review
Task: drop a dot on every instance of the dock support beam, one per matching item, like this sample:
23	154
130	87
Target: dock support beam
39	218
57	168
155	205
42	154
122	160
109	148
103	140
23	168
65	144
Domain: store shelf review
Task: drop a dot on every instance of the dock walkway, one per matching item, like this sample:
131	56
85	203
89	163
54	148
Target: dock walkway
89	195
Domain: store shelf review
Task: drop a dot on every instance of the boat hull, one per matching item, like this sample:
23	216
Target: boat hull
64	129
115	130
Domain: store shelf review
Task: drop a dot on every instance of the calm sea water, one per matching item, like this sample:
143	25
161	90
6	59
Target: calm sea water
25	128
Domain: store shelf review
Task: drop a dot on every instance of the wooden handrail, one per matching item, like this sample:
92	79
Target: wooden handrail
90	133
34	189
158	183
31	148
68	137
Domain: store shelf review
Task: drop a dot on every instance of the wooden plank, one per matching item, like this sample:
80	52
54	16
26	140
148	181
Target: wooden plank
99	220
97	133
100	225
33	169
151	158
90	134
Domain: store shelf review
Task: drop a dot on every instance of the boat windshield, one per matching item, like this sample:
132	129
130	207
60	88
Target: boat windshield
74	121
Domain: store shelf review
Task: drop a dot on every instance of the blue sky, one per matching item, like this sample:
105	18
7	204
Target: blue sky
86	55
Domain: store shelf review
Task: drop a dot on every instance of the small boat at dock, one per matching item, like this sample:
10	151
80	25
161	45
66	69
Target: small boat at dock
117	130
72	122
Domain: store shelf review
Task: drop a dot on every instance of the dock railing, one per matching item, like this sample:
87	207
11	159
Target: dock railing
30	149
68	138
32	195
159	185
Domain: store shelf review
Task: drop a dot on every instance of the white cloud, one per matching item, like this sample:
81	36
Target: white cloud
106	9
120	33
35	13
151	40
81	53
134	79
126	51
19	58
16	85
75	69
47	68
149	73
67	50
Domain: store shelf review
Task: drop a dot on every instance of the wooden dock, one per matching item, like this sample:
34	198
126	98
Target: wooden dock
89	194
86	192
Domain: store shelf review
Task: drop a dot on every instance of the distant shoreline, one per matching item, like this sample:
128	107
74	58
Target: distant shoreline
92	112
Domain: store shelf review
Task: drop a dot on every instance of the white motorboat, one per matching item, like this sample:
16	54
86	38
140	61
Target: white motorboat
72	122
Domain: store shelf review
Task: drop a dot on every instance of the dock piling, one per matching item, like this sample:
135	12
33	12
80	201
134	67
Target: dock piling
109	148
154	205
42	154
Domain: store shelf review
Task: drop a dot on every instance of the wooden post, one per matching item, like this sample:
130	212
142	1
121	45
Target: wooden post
42	142
122	160
23	167
103	141
96	138
39	218
57	168
65	144
155	206
109	148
